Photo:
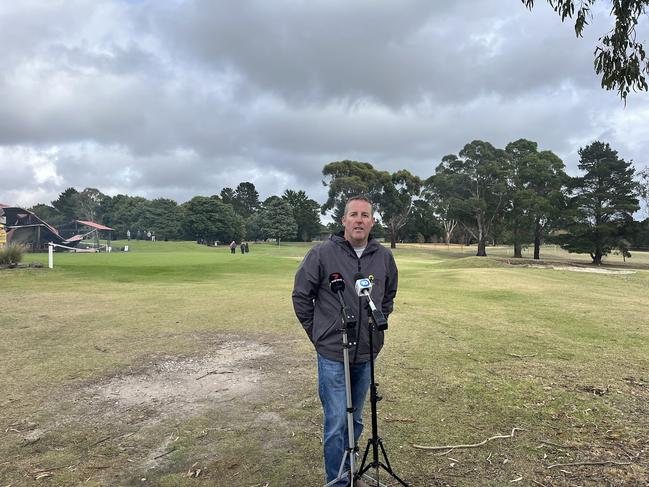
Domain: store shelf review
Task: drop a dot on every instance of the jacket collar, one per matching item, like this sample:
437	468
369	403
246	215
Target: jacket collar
339	238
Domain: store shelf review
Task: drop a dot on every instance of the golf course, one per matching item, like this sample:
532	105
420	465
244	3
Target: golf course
178	364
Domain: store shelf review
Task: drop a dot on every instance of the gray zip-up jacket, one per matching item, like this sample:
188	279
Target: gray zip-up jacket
318	309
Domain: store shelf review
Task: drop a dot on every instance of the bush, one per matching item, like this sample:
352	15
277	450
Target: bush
11	254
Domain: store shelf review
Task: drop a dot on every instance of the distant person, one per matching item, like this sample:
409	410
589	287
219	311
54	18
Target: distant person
148	235
243	248
247	248
139	234
128	235
152	237
233	247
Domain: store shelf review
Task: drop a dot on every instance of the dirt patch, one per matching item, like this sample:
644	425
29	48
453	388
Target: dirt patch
174	386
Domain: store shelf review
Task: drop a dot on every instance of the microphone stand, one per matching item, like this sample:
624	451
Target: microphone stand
349	322
377	321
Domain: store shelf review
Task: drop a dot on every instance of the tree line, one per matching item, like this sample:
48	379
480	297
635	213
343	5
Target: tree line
234	214
518	195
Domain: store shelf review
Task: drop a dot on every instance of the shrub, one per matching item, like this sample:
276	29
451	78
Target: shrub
11	254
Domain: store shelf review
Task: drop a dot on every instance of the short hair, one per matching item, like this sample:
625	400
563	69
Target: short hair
359	198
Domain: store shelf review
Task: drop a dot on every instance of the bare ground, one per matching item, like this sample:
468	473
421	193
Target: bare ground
132	428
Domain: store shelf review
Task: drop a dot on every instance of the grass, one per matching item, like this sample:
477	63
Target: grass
475	348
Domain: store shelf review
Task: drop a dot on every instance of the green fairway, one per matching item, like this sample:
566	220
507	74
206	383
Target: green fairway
178	364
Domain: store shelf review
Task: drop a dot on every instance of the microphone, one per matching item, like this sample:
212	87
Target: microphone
363	287
337	286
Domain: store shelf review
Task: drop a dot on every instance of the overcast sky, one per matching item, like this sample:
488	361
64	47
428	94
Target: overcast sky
180	98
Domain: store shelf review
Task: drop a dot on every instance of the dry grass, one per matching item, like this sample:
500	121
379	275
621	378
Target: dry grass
476	348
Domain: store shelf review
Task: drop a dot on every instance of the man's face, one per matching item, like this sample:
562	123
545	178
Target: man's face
358	222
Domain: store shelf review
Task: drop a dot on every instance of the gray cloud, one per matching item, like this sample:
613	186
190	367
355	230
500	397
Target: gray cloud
181	98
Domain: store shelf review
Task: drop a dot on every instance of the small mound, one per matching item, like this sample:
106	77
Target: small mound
472	262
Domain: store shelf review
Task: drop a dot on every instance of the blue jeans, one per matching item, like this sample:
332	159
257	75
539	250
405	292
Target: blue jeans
331	387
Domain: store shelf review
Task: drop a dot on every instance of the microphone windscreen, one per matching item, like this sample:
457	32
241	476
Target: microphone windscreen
336	282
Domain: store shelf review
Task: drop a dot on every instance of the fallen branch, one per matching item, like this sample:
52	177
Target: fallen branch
474	445
599	464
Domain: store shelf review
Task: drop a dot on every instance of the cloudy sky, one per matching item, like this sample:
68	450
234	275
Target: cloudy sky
179	98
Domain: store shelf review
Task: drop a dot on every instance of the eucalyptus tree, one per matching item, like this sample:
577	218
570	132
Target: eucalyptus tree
475	185
392	194
442	203
395	201
619	58
351	178
537	183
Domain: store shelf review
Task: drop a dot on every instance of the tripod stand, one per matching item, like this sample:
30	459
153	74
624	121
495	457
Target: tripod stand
376	321
348	322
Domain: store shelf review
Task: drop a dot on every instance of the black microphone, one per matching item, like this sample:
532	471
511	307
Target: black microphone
337	286
363	287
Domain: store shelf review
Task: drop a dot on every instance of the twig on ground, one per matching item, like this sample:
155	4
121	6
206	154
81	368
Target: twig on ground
165	453
214	372
589	463
474	445
100	441
399	420
556	444
522	356
539	483
444	453
50	469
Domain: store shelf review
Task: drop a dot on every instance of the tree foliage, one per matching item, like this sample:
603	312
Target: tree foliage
306	213
351	178
245	199
475	186
537	193
603	202
276	220
395	201
209	219
619	58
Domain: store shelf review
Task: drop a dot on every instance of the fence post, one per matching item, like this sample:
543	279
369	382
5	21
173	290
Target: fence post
50	255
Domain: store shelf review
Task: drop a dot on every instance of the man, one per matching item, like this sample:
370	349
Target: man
352	251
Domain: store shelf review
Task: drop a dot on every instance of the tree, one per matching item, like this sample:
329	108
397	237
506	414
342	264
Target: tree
210	219
67	204
442	205
351	178
227	196
122	213
619	57
276	220
161	216
245	199
395	201
643	189
88	203
537	181
603	201
475	185
47	213
305	212
422	224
